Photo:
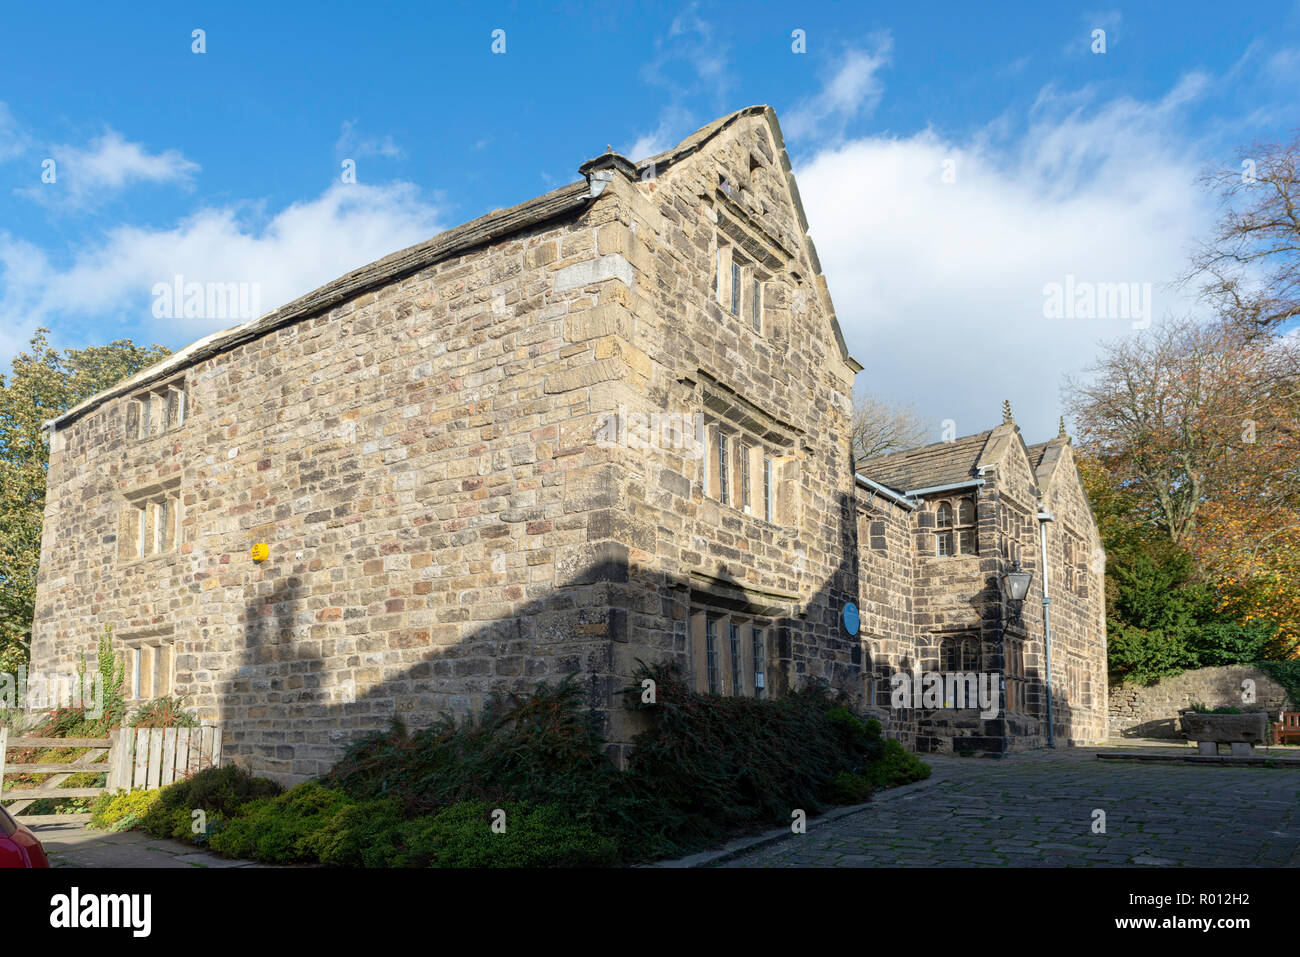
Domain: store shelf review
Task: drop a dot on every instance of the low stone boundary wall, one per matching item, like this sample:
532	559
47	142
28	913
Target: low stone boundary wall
1152	711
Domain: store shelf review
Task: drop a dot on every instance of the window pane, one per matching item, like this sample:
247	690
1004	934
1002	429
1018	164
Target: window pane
760	662
966	512
767	489
944	543
173	413
737	663
756	305
943	516
145	409
967	542
735	289
711	650
744	475
724	471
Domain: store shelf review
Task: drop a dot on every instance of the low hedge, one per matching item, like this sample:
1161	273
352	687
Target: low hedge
704	767
315	824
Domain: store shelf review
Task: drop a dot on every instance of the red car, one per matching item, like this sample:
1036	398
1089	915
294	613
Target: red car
18	845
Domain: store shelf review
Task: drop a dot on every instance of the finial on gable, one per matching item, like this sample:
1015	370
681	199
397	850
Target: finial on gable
1007	417
1061	434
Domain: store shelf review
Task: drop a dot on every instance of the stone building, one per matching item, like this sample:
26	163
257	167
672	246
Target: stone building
608	424
938	528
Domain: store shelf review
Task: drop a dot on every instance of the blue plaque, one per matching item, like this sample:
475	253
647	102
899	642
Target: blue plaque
851	618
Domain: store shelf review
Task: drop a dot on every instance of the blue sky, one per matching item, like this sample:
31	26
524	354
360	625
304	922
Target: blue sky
225	166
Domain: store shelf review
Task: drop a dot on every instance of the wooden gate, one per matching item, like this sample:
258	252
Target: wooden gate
131	758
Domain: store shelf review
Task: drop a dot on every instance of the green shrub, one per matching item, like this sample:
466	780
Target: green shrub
283	829
850	788
312	823
896	766
219	792
708	764
545	836
165	712
1285	673
537	748
122	811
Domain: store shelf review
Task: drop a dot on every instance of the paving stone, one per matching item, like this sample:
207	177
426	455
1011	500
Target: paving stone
1157	815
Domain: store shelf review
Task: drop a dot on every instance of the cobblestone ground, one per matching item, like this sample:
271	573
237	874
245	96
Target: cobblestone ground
1036	810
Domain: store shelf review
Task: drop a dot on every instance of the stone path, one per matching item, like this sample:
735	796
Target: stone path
1036	810
73	845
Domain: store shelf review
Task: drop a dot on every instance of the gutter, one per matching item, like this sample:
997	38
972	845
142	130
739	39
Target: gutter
971	483
888	493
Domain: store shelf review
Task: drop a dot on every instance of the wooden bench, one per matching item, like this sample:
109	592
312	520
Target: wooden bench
1287	729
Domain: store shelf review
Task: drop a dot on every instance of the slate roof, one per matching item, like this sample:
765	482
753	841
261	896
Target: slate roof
940	464
487	229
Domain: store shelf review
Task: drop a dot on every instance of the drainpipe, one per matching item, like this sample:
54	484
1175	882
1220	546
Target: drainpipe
1044	517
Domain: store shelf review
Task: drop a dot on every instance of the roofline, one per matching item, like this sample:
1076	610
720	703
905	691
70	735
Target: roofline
475	233
482	231
696	141
950	487
887	492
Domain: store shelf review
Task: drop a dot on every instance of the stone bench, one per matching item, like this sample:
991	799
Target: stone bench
1241	731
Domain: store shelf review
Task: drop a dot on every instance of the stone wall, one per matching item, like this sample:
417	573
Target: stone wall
1151	711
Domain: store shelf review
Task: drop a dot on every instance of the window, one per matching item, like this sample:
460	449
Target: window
1014	673
756	305
740	472
724	470
151	524
150	669
737	661
767	488
956	531
728	653
711	650
745	491
961	653
161	409
736	287
966	511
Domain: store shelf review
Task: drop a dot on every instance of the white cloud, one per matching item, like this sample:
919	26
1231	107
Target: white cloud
675	123
349	144
84	177
297	249
852	90
13	142
939	286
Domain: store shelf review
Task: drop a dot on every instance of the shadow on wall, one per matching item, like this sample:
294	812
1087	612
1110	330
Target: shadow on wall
1164	728
295	701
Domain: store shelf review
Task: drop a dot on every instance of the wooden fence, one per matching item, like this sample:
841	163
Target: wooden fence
130	758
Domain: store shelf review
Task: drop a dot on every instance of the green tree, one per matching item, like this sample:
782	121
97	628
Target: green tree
43	383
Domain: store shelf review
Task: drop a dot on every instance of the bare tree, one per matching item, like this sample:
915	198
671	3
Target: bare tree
1250	268
880	426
